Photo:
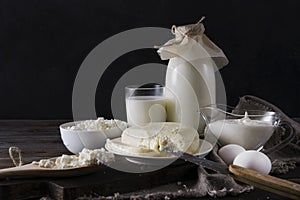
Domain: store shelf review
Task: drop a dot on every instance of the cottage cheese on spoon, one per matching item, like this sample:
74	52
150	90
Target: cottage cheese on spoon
85	158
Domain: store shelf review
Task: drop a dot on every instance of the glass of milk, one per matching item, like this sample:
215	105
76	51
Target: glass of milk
145	104
250	129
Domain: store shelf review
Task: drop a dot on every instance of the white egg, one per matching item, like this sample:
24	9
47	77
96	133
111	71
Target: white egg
229	152
254	160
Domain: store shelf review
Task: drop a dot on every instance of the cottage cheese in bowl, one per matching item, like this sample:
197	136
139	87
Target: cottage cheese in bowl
90	134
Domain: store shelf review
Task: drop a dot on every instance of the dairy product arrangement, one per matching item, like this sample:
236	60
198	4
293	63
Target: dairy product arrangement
152	139
169	116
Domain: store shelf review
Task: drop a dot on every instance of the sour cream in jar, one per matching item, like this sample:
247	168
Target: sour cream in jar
248	133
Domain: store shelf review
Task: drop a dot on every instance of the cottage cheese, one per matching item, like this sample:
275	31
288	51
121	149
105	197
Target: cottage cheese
47	163
95	125
85	158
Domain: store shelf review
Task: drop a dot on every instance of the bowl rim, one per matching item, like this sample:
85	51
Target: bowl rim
65	125
230	110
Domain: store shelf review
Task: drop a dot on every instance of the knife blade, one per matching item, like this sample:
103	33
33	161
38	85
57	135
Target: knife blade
218	167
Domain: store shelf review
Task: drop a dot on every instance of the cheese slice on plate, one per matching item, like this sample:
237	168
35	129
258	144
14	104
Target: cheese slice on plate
156	136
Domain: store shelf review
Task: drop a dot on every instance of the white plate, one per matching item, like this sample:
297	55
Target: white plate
204	148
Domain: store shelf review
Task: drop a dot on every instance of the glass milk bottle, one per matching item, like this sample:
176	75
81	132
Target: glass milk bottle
190	78
188	89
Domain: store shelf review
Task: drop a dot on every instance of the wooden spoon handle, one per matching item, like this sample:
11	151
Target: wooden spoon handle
296	180
266	182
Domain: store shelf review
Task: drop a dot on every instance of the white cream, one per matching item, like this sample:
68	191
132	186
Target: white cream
250	134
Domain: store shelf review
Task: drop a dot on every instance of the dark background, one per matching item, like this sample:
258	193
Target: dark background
43	43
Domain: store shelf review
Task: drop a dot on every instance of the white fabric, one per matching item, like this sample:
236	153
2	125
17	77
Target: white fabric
190	43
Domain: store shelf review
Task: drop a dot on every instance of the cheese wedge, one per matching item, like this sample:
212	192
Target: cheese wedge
156	136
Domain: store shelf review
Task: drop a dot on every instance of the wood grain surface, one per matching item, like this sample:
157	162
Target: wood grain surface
37	139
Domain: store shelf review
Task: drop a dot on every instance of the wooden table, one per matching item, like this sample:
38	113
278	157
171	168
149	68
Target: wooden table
41	139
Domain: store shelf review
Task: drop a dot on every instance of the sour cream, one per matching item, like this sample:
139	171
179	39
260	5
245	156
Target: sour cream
248	133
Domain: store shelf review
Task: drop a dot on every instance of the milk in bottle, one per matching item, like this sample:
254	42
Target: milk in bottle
190	77
188	90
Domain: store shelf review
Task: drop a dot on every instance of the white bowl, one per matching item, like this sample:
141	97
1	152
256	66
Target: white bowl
76	140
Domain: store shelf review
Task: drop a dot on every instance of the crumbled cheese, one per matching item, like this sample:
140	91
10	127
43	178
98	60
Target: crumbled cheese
94	125
66	161
86	157
47	163
95	157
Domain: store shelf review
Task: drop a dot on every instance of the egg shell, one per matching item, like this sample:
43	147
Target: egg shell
229	152
254	160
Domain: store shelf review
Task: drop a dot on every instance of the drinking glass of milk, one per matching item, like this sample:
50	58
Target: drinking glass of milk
145	104
250	129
